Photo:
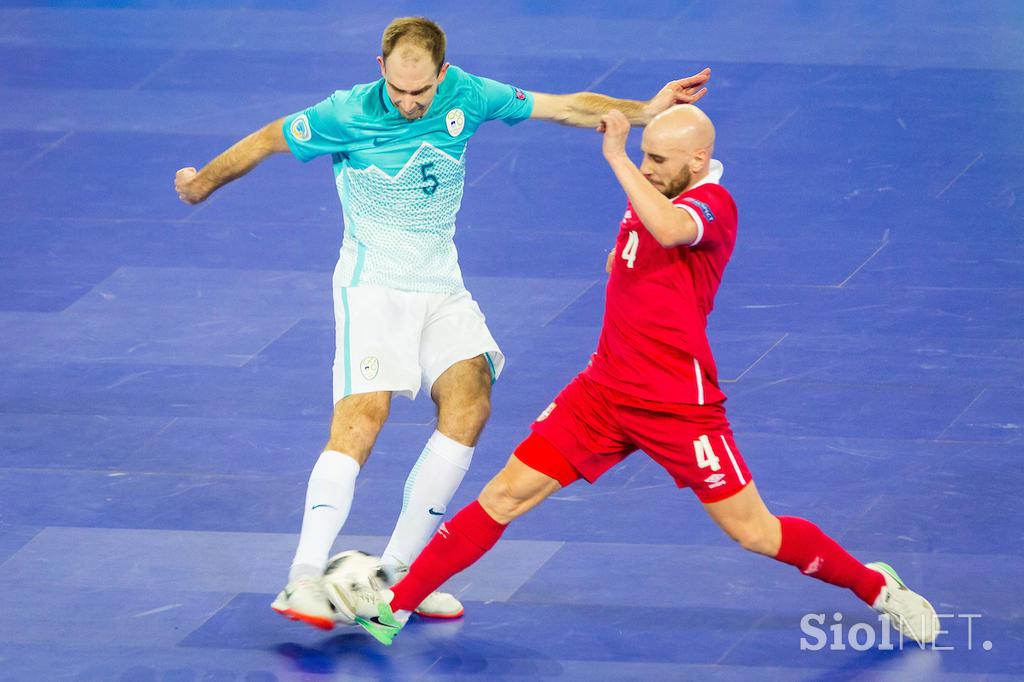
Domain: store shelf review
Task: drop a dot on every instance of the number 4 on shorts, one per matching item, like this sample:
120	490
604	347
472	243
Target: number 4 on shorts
706	458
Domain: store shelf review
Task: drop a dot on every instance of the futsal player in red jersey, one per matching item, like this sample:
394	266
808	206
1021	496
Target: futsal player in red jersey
652	385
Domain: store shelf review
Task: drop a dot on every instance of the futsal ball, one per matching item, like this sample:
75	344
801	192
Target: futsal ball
353	580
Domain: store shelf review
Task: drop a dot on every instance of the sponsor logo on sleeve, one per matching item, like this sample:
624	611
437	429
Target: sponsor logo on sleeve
455	121
704	208
520	94
300	128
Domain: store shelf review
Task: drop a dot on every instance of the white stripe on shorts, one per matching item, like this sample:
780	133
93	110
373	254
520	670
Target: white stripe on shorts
732	458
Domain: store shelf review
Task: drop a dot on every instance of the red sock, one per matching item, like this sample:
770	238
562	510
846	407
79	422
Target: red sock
821	557
458	544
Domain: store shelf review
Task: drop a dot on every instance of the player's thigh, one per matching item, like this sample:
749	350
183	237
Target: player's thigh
454	331
582	425
695	445
356	423
378	333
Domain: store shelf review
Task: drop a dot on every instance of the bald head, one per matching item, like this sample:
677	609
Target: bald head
677	145
684	125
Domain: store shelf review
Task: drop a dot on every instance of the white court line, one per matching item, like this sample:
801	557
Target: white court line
567	305
960	175
763	356
962	413
49	148
604	76
494	166
885	243
777	126
152	612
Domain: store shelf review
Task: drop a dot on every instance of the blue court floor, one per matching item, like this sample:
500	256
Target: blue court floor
165	369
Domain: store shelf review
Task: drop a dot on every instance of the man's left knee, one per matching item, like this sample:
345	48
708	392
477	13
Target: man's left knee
469	393
468	411
761	538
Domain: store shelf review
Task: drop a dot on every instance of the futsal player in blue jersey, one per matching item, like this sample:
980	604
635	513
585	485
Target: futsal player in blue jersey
404	319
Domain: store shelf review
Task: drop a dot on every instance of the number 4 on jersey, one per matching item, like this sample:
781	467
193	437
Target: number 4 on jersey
629	251
706	457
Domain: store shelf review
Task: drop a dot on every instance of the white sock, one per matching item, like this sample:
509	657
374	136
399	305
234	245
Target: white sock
429	488
332	484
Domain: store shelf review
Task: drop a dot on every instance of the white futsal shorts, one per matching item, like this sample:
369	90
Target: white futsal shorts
391	340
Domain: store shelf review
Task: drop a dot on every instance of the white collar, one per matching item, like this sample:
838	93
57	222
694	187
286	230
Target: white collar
715	170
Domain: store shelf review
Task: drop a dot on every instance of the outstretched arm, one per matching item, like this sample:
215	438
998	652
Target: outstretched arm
666	222
195	186
585	109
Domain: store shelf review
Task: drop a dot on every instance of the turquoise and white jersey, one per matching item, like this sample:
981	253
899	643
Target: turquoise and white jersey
401	181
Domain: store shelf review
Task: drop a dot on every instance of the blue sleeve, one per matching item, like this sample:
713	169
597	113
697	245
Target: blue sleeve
320	129
503	102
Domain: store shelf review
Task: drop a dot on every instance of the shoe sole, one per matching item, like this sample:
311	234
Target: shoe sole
441	616
382	635
315	621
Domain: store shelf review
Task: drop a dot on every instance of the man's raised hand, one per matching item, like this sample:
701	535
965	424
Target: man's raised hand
682	91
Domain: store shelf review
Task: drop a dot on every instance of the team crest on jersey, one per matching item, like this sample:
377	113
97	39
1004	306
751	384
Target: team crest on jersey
455	121
369	368
300	128
704	208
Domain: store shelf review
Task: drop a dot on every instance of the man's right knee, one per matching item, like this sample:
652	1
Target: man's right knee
356	423
516	490
499	499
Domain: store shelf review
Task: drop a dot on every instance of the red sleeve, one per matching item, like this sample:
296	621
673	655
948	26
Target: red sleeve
713	210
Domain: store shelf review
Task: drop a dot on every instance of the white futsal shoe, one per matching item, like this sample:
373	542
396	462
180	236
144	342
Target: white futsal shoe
436	605
305	599
908	611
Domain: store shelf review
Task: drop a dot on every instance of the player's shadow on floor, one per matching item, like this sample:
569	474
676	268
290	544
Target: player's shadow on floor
435	646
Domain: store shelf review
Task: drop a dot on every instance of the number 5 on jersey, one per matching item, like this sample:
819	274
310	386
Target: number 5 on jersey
430	178
629	251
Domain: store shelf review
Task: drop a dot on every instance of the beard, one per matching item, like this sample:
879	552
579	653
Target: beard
678	184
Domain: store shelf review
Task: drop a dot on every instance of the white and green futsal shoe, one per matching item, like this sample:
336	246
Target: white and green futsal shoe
908	611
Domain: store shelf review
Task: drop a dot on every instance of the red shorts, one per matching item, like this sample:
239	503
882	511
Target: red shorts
595	427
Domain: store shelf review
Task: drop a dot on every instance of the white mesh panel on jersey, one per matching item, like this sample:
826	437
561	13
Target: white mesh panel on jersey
403	225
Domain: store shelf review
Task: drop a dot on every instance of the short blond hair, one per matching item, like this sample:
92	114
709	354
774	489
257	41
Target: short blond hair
419	30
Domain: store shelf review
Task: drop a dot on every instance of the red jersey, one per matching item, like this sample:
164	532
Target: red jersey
653	341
